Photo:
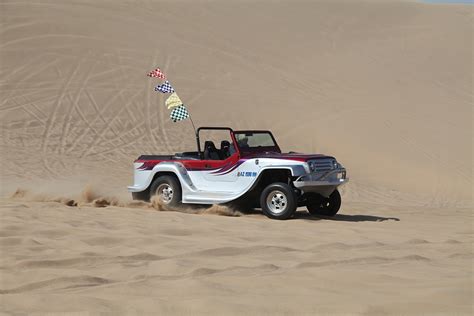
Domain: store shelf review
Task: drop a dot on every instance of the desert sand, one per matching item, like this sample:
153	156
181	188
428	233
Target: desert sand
384	86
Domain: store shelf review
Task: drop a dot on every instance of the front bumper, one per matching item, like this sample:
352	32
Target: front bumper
322	182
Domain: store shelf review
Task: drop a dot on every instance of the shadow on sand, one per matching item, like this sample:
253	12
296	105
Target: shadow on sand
338	217
345	217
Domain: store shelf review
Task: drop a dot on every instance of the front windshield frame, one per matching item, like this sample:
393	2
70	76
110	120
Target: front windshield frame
274	148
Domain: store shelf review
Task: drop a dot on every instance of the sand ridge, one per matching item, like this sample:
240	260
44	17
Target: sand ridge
384	88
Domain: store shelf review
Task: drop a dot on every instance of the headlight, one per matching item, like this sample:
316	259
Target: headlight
312	166
335	164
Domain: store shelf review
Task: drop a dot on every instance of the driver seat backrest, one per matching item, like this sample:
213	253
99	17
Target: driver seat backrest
210	151
225	149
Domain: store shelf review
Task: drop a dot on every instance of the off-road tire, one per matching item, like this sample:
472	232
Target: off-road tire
278	201
169	183
319	205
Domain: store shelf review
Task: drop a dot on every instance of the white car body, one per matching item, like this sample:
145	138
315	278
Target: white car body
238	174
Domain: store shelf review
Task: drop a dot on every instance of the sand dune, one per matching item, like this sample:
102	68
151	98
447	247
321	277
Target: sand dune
395	261
385	86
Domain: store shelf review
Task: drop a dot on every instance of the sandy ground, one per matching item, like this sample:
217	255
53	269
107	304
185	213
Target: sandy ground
385	86
395	261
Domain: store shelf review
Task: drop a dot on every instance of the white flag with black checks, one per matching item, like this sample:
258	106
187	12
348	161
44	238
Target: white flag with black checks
179	113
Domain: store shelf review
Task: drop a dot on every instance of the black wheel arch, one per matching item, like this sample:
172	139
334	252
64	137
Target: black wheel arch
272	175
265	178
145	194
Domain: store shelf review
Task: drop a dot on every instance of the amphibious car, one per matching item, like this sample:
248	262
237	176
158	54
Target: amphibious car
247	168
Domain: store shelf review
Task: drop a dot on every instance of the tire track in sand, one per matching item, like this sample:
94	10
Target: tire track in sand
52	116
73	104
99	116
107	127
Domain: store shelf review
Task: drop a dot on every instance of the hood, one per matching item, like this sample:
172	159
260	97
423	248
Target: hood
290	156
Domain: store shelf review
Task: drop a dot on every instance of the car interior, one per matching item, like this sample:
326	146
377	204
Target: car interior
212	153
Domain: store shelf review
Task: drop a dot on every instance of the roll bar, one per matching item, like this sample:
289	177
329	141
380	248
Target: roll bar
212	128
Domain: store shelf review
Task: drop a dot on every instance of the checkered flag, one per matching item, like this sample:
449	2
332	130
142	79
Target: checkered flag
165	87
179	113
157	73
173	101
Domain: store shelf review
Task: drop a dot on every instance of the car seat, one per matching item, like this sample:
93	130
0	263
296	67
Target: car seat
225	149
210	151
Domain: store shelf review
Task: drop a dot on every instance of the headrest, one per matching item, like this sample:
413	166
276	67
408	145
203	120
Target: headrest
225	144
208	144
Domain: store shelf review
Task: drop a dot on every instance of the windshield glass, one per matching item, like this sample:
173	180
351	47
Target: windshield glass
255	140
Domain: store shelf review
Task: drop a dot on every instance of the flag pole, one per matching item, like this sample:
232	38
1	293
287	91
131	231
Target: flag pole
194	127
198	142
192	123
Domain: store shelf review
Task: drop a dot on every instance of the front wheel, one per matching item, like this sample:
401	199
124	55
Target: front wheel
278	201
318	205
167	189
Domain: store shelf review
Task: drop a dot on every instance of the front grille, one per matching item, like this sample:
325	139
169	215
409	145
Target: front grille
323	164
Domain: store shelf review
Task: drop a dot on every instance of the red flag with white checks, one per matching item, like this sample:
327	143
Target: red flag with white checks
157	73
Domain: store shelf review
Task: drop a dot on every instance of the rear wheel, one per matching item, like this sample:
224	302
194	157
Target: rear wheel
167	189
278	201
319	205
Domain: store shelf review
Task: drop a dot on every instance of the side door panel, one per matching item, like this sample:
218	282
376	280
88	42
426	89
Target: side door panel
213	175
